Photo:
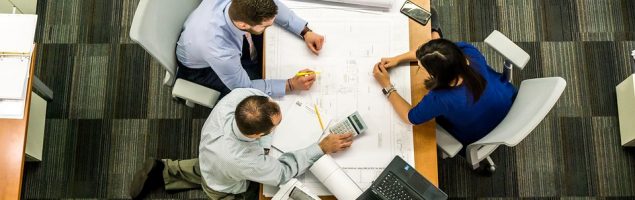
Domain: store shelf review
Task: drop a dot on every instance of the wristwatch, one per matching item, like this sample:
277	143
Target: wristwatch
388	90
305	31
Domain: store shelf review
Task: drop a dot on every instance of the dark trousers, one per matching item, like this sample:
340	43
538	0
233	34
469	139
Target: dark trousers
208	77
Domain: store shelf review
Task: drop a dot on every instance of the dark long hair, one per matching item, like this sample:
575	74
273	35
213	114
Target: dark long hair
445	62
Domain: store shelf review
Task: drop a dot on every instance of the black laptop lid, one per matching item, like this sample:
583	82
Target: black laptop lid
416	181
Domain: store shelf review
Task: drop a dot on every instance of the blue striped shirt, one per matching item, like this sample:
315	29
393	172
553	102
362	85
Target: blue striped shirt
210	39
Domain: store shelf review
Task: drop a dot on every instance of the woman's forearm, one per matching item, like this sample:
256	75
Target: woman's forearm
401	106
409	56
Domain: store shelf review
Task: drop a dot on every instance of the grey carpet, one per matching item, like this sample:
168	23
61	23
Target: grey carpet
110	110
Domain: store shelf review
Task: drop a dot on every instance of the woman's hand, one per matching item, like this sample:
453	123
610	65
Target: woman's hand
381	75
389	62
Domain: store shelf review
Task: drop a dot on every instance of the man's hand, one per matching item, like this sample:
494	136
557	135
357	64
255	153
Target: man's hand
389	62
381	75
301	82
336	142
314	41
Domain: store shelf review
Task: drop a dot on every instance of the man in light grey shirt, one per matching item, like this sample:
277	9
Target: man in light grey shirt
232	155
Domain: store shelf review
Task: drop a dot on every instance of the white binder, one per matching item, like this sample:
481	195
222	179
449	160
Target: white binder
16	46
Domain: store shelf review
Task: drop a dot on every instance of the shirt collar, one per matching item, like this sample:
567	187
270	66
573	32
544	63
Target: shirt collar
229	22
239	135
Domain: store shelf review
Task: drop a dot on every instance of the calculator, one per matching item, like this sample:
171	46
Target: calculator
352	124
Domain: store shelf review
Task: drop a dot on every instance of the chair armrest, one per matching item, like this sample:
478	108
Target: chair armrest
506	47
196	93
448	144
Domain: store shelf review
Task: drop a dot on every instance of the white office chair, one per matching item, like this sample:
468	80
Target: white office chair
156	26
535	99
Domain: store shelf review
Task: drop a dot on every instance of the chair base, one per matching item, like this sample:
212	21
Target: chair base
487	169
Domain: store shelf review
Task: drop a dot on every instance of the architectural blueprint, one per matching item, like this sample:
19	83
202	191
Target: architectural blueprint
354	43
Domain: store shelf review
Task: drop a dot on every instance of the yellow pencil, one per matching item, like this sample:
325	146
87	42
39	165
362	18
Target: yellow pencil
306	73
318	115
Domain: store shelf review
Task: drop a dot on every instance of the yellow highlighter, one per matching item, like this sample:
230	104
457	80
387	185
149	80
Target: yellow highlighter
307	73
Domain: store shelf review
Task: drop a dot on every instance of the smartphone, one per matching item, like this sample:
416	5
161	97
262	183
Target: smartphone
416	12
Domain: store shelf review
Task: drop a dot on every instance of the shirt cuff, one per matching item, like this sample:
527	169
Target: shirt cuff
278	88
296	25
314	152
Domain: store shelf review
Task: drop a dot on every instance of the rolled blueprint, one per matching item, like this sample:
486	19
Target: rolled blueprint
333	178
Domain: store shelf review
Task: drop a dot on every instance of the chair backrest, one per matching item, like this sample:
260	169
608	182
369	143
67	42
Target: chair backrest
508	49
156	26
535	99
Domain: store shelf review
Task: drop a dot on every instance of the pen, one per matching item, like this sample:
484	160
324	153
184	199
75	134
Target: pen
276	148
306	73
318	115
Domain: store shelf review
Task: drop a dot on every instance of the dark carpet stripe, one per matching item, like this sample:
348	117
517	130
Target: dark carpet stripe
58	59
131	88
577	166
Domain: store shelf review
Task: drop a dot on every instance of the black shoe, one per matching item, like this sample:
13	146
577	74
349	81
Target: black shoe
149	177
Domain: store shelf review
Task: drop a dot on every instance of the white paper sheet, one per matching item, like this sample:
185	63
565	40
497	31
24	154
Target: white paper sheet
13	82
12	109
354	42
300	127
18	33
13	76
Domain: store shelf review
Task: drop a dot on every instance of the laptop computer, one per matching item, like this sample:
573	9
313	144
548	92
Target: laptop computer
401	181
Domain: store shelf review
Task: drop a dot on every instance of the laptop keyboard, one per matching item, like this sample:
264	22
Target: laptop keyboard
391	187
